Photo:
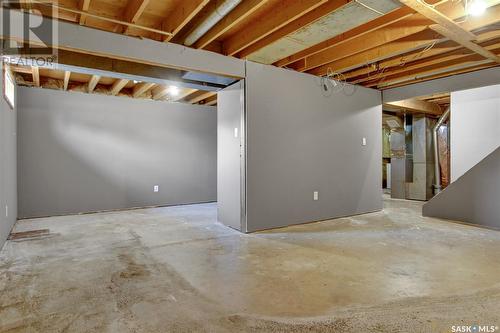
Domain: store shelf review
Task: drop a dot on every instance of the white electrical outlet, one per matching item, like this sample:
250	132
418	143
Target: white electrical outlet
6	211
156	188
315	195
236	132
364	142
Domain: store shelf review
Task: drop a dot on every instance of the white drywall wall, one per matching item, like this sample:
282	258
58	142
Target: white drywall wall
475	127
8	161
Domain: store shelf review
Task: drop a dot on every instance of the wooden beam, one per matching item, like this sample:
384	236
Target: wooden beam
466	43
84	7
211	102
200	97
104	18
183	94
388	50
159	92
415	105
94	80
133	11
403	59
440	66
367	41
67	75
117	86
439	75
360	30
237	15
141	88
417	55
449	29
277	17
36	76
460	53
21	69
444	100
441	19
435	96
403	45
25	5
182	14
411	25
295	25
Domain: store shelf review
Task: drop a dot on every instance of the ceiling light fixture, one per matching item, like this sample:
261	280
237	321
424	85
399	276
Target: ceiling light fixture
477	7
173	90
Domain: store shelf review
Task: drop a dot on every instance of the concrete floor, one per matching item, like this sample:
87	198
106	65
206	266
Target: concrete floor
176	270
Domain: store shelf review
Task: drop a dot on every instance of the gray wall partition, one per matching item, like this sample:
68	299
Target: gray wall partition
230	156
8	168
81	153
472	198
301	140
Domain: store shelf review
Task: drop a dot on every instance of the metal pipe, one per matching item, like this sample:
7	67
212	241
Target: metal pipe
218	14
437	171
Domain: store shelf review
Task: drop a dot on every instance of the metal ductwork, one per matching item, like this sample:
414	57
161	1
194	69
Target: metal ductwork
222	8
437	171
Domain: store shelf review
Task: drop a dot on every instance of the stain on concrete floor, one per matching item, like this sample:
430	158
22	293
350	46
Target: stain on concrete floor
176	269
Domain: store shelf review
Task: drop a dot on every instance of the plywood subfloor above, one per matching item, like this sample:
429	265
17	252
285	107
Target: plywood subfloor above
344	19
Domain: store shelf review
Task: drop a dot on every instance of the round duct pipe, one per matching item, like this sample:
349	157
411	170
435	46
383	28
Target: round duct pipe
222	8
437	171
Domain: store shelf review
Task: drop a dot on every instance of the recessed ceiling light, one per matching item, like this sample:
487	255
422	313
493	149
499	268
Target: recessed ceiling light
477	7
173	90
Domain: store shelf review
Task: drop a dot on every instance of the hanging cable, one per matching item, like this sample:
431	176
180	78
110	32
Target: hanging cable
368	7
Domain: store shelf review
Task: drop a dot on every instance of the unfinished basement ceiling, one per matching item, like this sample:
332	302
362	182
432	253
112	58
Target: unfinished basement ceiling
343	19
379	44
83	82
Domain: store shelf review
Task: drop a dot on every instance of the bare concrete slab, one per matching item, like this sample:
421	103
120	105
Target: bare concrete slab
176	269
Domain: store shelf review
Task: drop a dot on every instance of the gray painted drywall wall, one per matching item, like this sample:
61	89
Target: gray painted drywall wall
458	82
8	168
229	162
300	141
83	153
473	198
475	127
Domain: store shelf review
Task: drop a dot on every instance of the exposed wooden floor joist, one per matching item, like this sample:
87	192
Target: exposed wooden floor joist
75	81
397	34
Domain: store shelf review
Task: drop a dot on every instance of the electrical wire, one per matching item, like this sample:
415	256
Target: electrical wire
368	7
